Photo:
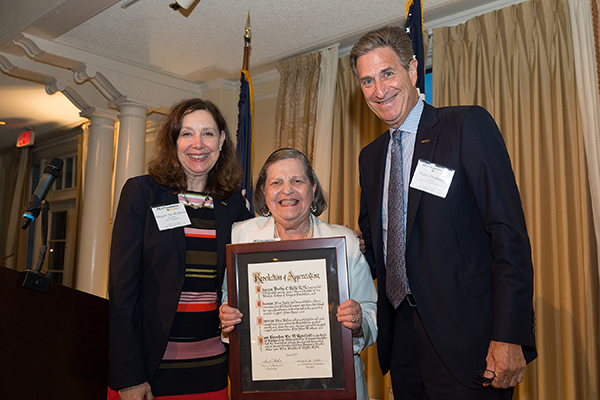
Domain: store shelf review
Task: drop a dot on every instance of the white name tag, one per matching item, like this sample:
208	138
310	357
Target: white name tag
171	216
432	178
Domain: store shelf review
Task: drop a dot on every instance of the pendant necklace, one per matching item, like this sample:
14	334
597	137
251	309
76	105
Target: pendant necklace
194	206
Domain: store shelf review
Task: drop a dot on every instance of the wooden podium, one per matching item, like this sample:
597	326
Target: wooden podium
53	345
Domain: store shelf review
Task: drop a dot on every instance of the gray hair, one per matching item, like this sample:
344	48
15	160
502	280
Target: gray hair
393	37
319	203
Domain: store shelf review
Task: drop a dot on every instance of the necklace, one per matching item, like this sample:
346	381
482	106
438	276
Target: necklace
308	235
195	206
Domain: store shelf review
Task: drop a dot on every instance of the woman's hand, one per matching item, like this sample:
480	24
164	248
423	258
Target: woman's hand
350	315
229	317
136	392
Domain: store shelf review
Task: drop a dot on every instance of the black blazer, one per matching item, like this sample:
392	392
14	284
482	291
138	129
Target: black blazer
468	256
147	274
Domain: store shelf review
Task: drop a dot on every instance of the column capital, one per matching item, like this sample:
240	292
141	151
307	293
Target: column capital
127	102
99	112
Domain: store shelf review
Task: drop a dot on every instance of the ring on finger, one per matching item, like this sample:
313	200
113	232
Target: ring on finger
221	326
354	318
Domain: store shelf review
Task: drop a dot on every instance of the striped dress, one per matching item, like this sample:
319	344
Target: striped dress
194	365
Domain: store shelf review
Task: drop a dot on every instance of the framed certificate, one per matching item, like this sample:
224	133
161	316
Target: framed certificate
290	344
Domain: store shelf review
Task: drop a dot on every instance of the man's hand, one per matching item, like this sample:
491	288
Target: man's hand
507	361
358	234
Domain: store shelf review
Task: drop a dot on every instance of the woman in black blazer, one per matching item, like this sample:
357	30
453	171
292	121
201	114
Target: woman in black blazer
167	261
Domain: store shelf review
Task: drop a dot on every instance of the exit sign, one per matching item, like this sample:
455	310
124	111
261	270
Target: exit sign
26	139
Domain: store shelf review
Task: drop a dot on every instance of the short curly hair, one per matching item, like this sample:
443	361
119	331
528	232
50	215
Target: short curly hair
393	37
259	201
225	176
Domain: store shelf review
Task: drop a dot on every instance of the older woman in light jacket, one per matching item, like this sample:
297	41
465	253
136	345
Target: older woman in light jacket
290	197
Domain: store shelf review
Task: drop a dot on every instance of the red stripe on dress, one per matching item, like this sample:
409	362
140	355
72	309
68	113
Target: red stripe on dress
201	233
197	302
190	350
196	307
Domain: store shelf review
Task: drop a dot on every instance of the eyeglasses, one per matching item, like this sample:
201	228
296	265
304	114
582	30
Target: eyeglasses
482	380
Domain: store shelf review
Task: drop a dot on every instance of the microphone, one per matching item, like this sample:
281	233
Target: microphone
32	209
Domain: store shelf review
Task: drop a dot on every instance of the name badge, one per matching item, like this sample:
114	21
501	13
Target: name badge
432	178
171	216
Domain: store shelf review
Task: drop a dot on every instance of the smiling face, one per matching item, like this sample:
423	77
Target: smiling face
289	194
388	87
198	147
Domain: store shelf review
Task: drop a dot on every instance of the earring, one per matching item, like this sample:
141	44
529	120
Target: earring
267	214
313	208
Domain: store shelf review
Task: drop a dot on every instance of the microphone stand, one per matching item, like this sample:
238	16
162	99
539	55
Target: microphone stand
35	279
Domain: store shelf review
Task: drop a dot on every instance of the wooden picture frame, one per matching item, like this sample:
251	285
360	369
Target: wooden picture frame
328	257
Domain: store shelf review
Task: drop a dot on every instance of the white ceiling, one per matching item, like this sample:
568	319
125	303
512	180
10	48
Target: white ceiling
197	45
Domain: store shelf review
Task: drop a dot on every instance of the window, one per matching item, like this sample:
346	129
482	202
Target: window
59	261
57	243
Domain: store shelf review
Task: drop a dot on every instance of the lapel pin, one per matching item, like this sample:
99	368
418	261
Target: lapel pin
425	141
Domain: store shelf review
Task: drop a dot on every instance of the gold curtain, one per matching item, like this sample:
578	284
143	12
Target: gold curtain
518	64
595	17
15	166
296	110
354	126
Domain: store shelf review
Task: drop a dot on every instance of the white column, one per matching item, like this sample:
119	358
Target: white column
94	233
131	145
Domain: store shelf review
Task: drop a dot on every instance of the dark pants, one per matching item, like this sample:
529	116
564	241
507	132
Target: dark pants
418	372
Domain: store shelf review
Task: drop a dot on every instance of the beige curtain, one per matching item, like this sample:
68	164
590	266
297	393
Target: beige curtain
595	9
296	110
324	122
518	63
586	49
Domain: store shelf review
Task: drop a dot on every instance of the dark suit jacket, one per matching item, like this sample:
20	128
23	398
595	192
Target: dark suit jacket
147	274
468	256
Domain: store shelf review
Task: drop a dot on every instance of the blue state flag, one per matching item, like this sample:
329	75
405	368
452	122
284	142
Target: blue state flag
414	28
245	137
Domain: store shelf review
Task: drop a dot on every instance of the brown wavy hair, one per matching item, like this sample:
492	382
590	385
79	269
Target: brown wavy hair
393	37
225	176
259	202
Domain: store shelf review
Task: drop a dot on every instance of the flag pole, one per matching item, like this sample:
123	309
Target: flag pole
245	140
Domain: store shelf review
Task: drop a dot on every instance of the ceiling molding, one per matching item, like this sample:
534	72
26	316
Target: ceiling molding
442	15
84	73
69	55
219	83
56	85
265	77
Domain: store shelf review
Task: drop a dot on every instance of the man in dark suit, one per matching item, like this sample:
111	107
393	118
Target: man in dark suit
445	237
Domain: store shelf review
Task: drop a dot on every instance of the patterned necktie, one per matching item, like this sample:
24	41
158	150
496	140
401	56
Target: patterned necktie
396	287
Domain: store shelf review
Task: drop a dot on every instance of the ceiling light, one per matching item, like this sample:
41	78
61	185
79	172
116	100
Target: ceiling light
185	4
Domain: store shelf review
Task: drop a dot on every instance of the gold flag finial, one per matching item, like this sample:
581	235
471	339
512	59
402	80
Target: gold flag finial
248	34
247	37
